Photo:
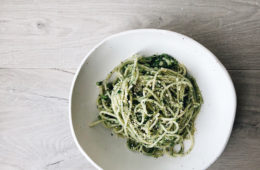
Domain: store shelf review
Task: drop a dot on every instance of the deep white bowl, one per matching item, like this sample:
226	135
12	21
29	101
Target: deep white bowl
213	124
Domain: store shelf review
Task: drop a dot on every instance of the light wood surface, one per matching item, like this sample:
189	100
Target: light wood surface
42	43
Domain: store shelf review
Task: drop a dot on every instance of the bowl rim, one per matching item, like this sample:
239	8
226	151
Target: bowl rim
157	31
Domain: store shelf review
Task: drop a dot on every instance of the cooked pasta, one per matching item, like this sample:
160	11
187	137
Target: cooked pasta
152	102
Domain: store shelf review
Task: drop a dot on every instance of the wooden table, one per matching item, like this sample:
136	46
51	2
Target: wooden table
43	42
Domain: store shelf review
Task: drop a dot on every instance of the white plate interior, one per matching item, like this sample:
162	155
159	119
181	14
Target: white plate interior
213	124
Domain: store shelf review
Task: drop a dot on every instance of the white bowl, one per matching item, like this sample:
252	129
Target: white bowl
213	124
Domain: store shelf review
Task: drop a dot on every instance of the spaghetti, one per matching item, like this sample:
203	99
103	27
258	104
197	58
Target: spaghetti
152	102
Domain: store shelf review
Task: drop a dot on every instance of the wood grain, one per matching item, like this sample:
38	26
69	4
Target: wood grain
58	34
43	42
34	122
243	150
